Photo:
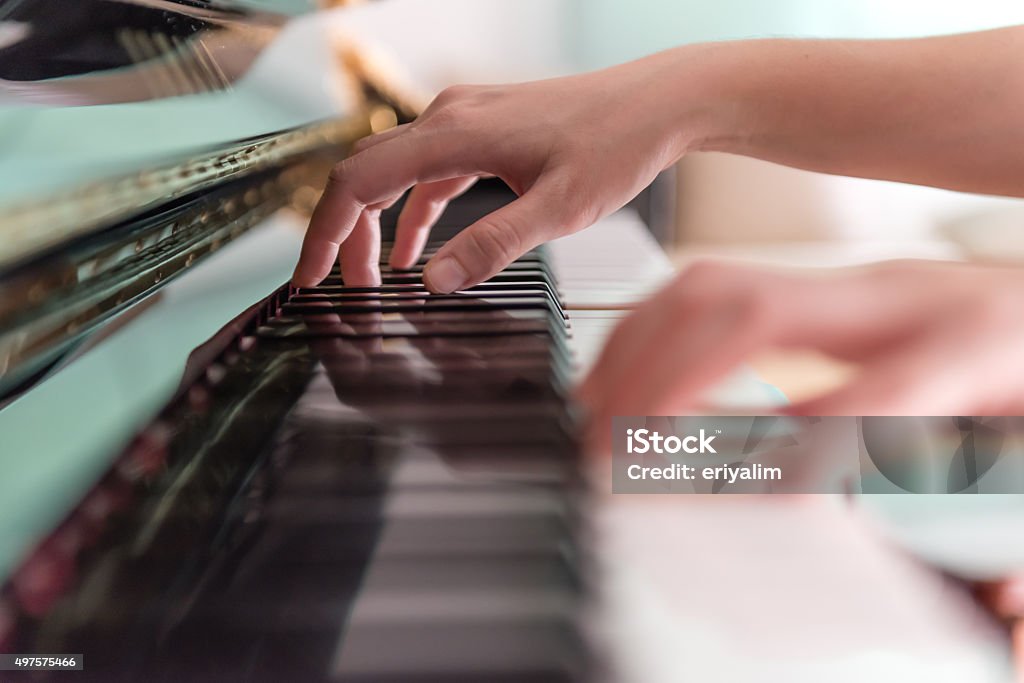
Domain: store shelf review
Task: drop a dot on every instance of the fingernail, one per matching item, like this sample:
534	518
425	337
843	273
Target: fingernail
444	276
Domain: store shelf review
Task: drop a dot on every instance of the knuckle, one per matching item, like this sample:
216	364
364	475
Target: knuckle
496	241
575	199
344	180
449	116
361	145
339	173
422	144
461	112
452	93
379	137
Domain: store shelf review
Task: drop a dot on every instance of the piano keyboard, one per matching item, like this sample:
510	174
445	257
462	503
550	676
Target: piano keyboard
322	503
358	484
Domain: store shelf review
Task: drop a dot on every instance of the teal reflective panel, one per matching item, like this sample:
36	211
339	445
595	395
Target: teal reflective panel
94	90
137	137
57	439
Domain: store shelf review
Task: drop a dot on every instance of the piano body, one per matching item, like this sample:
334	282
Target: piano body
210	476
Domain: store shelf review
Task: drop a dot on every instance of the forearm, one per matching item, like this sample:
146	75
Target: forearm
945	111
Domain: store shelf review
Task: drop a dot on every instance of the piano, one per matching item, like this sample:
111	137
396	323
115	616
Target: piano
208	475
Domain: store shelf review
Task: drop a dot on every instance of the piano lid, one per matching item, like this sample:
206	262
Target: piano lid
96	94
139	136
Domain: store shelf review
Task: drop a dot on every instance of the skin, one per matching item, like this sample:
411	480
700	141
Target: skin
1006	599
927	338
930	338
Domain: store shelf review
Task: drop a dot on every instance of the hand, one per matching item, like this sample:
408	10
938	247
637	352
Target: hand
930	339
1006	599
574	149
577	148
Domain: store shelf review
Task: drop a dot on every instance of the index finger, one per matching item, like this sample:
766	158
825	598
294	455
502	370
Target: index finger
374	175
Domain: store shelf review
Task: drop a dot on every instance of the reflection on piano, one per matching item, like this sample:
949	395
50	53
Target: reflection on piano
96	227
353	483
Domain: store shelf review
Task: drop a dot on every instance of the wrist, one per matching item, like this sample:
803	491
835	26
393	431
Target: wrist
712	109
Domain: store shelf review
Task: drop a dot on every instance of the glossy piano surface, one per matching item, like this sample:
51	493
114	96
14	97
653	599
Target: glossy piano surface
139	100
364	484
140	137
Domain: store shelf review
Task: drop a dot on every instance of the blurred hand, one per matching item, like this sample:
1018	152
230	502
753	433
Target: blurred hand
930	338
1006	599
574	149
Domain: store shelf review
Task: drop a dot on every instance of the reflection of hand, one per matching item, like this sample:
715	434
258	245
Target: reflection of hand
930	338
557	143
363	370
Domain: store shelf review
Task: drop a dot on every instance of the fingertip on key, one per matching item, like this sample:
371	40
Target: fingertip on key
303	278
313	267
367	276
445	275
400	263
298	280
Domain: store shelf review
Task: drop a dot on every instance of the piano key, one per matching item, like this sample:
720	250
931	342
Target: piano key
410	539
433	246
431	574
457	389
444	359
447	330
526	266
473	502
418	287
538	651
427	306
455	329
440	352
531	261
439	364
473	468
534	651
287	596
415	278
423	298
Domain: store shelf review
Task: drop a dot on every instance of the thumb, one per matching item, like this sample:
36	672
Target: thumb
493	242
